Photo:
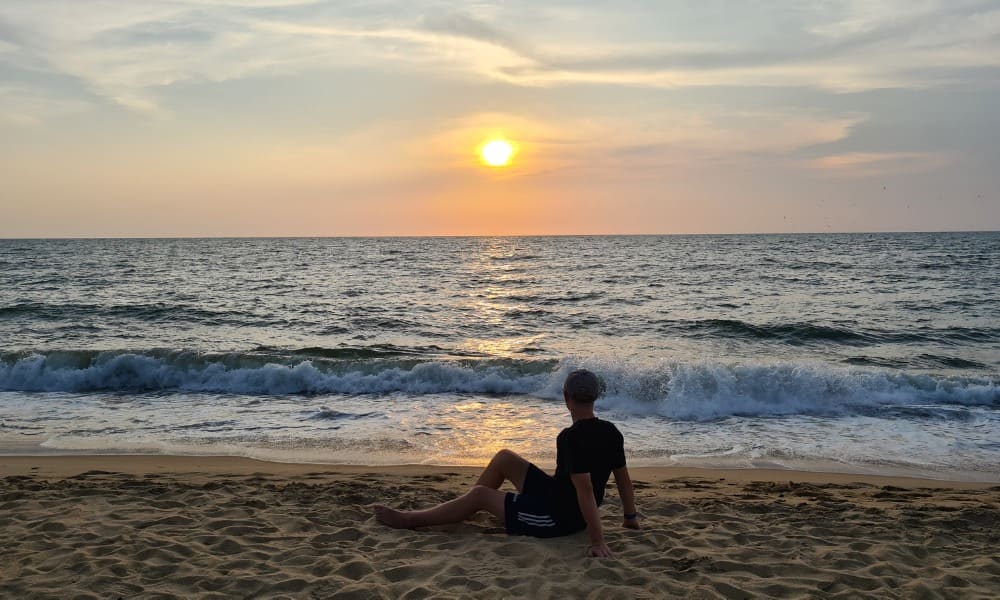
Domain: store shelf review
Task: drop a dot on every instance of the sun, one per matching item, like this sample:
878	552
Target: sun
497	152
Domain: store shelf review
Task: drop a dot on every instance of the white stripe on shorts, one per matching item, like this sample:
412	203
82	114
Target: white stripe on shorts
536	520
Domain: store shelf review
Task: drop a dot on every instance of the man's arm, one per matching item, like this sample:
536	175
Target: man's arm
588	507
627	494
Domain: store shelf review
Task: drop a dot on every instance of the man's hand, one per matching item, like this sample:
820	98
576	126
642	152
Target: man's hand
601	550
632	523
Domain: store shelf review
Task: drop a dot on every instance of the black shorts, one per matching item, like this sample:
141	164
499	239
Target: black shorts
535	510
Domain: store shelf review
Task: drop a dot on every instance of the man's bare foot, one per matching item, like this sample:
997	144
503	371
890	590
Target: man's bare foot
391	517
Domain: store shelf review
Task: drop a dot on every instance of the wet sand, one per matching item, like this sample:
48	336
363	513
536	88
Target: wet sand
213	527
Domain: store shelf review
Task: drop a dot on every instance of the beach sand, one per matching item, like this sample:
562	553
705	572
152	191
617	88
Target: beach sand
181	527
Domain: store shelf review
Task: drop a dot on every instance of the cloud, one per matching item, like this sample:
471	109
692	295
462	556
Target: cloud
637	144
461	25
127	55
23	106
127	52
864	49
574	146
873	164
156	33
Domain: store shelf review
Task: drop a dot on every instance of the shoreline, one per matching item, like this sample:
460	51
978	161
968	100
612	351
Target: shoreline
58	466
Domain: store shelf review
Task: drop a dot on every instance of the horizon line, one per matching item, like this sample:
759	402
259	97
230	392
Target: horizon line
520	235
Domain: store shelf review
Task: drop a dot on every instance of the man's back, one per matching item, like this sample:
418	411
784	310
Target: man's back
589	446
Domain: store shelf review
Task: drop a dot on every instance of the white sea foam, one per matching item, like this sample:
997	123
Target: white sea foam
680	390
709	390
138	372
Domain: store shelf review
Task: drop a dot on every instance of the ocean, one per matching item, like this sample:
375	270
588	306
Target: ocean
860	353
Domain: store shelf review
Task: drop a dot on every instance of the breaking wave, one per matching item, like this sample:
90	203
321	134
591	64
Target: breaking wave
695	390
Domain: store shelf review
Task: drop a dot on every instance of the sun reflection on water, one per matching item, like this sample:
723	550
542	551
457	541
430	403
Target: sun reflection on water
509	347
478	429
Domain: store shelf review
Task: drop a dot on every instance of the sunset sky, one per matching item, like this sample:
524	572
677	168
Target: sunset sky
271	118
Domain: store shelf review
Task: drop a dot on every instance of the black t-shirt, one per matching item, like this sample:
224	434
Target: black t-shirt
589	446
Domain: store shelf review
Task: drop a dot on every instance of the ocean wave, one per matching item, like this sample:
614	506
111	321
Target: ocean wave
687	390
797	334
514	257
149	312
250	373
329	414
366	352
712	390
788	332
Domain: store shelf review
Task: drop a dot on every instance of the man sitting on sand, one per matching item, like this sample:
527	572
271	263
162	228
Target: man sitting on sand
546	506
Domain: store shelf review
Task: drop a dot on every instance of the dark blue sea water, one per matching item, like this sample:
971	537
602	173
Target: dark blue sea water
855	352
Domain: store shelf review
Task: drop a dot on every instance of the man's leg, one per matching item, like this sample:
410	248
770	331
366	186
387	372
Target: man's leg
505	465
477	499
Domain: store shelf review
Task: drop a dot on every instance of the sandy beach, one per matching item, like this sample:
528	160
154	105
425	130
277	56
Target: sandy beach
180	527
